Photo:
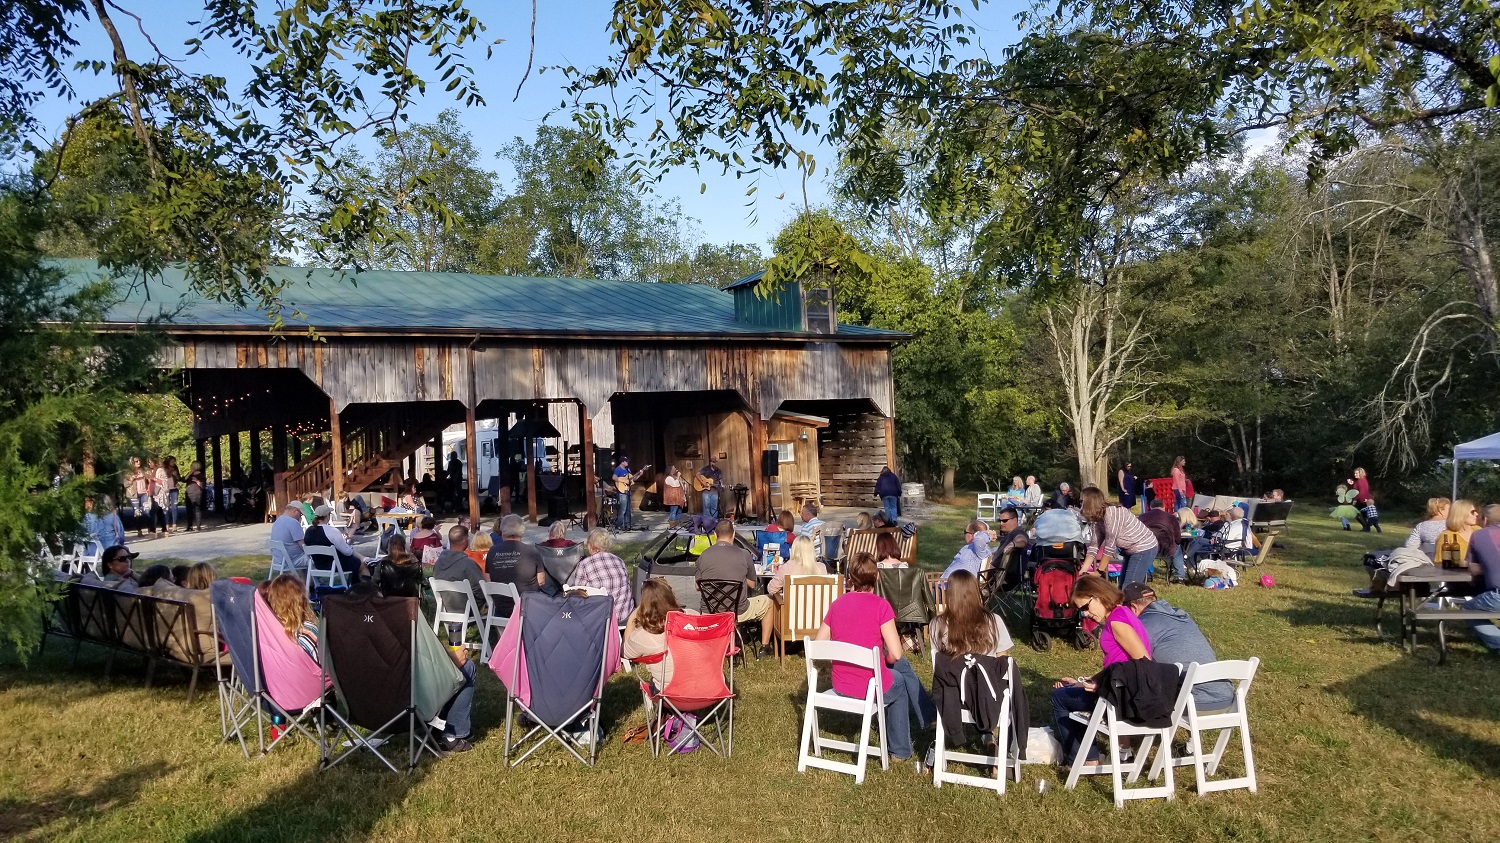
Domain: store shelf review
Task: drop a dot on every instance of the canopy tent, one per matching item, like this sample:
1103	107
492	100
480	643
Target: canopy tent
1487	448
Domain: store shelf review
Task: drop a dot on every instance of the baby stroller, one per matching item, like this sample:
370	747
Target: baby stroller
1053	614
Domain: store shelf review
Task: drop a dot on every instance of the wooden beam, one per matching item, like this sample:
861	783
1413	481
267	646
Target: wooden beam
470	435
255	455
890	442
199	449
218	478
586	459
278	447
235	469
296	442
531	477
336	449
760	486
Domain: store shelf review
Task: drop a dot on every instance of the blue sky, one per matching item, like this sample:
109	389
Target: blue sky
568	32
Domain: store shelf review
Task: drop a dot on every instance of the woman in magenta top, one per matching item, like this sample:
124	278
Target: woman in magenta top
865	619
1121	638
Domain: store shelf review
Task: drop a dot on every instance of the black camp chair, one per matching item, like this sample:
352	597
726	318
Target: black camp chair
390	675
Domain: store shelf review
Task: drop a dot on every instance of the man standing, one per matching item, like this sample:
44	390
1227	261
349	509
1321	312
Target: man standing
622	492
1167	530
888	489
1484	562
710	484
287	529
1176	638
726	560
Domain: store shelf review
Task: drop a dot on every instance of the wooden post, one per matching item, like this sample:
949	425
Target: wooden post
472	452
531	476
255	460
437	454
296	442
760	487
218	478
890	442
278	448
235	469
202	461
586	459
336	449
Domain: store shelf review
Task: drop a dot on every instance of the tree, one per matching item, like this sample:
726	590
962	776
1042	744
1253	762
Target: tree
438	200
220	169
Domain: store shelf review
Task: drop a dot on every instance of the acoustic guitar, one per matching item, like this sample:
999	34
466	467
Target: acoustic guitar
623	484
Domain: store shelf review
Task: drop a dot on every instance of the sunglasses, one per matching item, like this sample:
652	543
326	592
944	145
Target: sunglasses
120	559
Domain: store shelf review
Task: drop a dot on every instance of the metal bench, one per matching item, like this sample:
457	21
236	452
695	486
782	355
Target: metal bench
1444	616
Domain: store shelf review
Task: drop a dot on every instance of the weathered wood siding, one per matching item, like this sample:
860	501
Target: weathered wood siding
805	468
851	457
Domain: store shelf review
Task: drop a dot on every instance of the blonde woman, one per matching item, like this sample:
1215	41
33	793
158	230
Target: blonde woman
1424	536
1453	542
288	602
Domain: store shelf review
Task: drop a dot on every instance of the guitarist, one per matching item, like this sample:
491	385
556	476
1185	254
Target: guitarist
623	481
710	481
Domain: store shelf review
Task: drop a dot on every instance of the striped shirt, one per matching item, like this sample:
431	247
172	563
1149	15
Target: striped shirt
1120	529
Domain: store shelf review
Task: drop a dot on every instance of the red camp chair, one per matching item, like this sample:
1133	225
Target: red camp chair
702	682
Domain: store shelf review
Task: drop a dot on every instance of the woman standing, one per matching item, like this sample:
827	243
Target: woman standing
865	619
171	495
1365	502
194	491
138	488
1116	527
674	496
1128	486
1121	638
1179	483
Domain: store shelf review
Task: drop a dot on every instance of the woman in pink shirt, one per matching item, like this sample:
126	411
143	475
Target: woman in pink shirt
1121	638
865	619
1179	483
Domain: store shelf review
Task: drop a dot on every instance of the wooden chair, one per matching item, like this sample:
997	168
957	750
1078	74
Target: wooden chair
804	603
803	493
938	585
863	541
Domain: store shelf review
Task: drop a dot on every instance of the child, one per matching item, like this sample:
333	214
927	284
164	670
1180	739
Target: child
1369	517
1345	510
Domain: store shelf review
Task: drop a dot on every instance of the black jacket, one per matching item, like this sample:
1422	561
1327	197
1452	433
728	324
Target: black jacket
976	683
1142	691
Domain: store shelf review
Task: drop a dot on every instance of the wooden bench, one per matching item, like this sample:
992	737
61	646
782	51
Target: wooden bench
1444	616
155	628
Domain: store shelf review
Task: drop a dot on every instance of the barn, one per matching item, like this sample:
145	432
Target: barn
354	390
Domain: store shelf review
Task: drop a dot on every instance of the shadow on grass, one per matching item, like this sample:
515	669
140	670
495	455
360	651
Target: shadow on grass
1354	618
1414	697
21	817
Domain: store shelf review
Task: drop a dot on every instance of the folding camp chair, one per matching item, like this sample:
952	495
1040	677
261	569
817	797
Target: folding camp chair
239	686
559	562
389	676
554	658
702	682
869	707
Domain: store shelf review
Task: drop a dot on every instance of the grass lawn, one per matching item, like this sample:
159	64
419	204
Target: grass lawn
1353	739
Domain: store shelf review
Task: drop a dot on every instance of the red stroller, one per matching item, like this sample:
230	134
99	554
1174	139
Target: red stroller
1053	614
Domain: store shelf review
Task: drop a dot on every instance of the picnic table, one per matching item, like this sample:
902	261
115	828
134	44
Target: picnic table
1417	586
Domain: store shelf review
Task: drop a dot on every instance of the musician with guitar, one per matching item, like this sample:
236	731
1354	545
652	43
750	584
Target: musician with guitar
710	481
623	481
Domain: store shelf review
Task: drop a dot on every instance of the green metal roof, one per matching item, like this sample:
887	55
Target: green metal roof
379	301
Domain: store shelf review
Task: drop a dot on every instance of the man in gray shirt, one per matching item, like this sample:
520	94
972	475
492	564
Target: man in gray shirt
1174	638
726	560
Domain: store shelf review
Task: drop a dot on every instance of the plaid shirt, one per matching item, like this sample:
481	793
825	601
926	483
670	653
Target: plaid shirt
606	571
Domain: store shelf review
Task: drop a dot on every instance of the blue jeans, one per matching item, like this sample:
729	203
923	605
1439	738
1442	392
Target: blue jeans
1179	567
172	508
1065	701
458	711
143	512
711	504
1179	500
889	502
674	513
1137	565
905	699
1486	631
623	522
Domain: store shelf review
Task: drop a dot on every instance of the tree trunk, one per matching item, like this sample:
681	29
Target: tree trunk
1474	256
950	472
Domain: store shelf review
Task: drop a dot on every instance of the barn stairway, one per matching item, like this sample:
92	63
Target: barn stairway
371	449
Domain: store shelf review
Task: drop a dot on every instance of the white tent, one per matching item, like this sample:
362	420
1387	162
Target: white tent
1487	448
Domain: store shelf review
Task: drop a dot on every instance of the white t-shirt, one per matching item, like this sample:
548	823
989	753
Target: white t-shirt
1002	636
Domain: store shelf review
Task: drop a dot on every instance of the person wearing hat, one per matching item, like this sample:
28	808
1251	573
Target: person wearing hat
321	534
710	483
1175	637
117	559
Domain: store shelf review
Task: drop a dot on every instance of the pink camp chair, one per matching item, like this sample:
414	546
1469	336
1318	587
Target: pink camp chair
702	682
293	682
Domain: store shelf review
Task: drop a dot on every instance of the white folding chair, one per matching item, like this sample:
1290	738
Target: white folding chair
84	560
282	560
493	619
469	614
1106	720
381	523
1000	759
871	706
986	506
323	568
1187	716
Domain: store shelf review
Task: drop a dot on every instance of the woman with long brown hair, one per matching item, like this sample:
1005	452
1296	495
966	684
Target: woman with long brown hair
646	631
1121	637
287	600
965	628
1116	528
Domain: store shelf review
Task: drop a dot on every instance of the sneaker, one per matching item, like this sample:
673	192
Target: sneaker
767	651
453	743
